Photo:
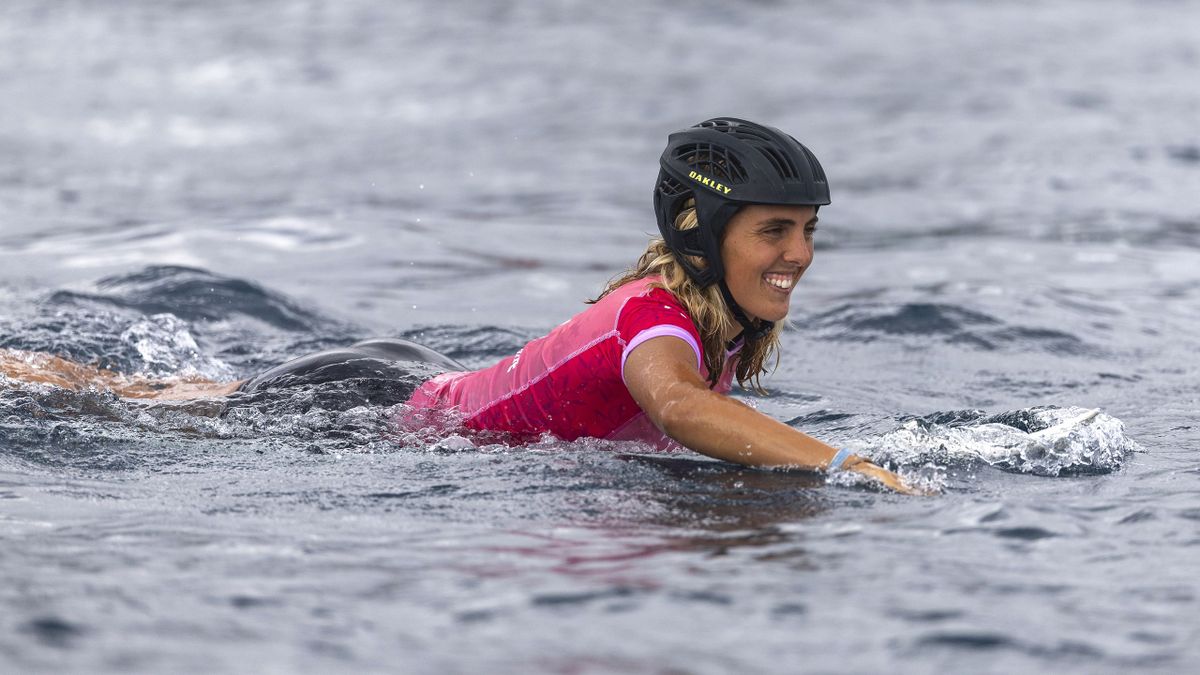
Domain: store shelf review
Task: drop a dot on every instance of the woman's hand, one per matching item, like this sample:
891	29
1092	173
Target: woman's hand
882	475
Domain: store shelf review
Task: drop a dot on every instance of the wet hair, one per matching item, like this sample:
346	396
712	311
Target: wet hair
706	307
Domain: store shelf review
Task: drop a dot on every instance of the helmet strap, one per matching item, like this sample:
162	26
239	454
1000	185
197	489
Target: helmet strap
750	332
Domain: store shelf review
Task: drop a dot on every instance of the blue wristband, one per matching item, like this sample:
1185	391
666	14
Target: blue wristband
840	458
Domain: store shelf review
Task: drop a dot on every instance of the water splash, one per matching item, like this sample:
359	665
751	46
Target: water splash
1040	441
167	348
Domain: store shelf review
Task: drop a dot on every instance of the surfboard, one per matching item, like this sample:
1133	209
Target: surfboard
1062	428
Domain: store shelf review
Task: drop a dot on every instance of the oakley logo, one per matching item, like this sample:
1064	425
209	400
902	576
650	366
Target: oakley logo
708	182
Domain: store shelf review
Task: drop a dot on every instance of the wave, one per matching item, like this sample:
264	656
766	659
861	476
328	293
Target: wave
171	320
948	323
194	294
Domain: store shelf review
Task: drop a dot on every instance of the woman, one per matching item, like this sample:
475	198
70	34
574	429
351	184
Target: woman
654	357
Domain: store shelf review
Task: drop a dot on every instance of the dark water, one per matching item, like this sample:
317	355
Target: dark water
211	188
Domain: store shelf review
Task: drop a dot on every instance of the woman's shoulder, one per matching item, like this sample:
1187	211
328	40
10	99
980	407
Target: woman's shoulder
636	304
649	303
638	293
649	286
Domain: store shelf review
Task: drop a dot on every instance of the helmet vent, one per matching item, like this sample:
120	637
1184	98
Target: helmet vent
713	161
762	141
669	187
781	164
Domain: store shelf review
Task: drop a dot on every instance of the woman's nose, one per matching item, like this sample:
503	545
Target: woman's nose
799	249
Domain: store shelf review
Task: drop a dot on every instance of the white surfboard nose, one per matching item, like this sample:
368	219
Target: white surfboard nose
1063	427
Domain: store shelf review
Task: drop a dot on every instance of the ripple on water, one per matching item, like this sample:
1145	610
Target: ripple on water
54	631
948	323
987	641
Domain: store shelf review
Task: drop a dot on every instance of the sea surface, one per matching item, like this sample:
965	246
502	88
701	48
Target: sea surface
211	188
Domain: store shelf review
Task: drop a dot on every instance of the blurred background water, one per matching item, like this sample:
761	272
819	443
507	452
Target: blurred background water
210	188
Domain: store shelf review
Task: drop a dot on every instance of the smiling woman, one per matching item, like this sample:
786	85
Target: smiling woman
654	357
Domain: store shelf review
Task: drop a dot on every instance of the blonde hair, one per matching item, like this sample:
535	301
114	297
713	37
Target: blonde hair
706	307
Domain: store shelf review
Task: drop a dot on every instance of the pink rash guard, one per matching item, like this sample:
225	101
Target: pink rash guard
571	383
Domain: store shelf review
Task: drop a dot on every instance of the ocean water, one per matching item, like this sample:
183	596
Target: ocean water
212	188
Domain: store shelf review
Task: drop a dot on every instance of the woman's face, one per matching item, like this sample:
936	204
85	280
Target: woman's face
766	249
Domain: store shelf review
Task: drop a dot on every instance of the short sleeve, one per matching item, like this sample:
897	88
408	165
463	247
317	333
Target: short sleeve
655	314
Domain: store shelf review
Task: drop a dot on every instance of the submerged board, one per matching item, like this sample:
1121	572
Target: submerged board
1062	428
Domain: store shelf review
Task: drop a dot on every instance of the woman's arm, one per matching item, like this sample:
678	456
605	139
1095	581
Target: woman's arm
662	377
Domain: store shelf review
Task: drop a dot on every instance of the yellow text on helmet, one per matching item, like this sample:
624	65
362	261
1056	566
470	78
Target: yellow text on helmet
705	180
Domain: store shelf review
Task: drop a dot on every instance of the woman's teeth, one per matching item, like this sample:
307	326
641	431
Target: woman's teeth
784	281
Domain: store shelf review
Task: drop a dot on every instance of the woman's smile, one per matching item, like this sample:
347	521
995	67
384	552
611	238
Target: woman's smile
783	281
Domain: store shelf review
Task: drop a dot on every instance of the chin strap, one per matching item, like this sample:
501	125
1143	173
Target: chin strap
751	332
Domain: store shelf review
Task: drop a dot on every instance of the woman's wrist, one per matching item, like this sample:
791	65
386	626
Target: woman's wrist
844	460
838	460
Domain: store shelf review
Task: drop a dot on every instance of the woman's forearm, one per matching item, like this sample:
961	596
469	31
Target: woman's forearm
727	429
661	376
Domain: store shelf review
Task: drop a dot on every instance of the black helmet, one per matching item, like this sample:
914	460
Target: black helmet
725	163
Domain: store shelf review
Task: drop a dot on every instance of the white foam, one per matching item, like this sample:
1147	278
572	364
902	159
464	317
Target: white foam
167	347
1075	439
